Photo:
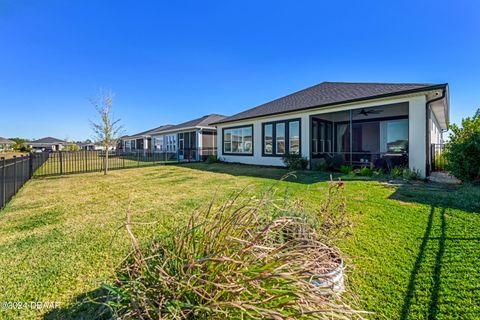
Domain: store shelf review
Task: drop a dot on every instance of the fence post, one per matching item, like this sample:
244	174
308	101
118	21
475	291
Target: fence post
15	173
61	162
2	203
138	158
30	162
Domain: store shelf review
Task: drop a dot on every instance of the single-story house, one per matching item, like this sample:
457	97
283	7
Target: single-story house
192	140
363	124
48	144
93	146
141	140
6	144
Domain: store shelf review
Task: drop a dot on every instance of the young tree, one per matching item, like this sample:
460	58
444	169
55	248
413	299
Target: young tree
108	129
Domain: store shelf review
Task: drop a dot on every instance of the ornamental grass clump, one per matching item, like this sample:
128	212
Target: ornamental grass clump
246	259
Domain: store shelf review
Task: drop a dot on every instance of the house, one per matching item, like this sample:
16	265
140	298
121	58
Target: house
141	140
192	140
361	124
6	144
48	144
93	146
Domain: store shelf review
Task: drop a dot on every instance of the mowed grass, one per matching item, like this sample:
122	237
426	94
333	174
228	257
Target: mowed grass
93	161
413	252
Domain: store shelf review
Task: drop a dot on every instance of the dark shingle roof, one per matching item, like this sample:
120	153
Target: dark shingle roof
329	93
6	141
204	121
49	140
144	133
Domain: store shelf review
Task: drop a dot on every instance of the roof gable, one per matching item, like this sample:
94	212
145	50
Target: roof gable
49	140
6	141
329	93
205	121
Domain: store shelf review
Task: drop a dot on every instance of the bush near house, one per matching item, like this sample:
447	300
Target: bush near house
211	159
295	161
462	152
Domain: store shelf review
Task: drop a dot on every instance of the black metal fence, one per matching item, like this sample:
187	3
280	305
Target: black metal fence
59	163
18	170
13	175
438	161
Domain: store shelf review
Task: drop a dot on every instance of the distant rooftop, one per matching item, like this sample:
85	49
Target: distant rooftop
205	121
49	140
6	141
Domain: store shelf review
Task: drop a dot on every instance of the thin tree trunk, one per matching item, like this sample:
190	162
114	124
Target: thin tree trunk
105	162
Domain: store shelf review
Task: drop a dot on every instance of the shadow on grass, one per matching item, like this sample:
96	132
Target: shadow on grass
461	197
265	172
85	306
435	244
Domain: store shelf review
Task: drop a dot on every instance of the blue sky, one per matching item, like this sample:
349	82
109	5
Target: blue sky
172	61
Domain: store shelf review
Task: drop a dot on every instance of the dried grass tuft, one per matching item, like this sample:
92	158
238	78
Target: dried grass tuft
236	261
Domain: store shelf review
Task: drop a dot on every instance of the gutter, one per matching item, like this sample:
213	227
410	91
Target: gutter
427	129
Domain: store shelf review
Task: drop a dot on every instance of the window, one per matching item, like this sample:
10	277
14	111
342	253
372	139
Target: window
397	136
294	137
238	140
268	139
281	137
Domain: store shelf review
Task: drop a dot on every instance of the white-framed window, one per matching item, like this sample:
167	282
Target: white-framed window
238	140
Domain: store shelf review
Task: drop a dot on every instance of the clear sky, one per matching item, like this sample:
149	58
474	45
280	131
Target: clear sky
172	61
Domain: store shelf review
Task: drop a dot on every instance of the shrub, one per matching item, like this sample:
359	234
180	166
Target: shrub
462	152
366	172
295	161
409	174
405	173
234	262
346	169
320	165
211	159
396	172
378	172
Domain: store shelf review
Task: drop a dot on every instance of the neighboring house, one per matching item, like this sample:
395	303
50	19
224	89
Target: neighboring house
92	146
140	141
191	140
363	124
48	144
6	144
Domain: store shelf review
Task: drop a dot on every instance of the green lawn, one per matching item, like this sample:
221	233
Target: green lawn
414	251
92	161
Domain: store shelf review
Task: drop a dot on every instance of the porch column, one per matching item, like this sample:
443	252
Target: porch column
199	146
417	130
305	136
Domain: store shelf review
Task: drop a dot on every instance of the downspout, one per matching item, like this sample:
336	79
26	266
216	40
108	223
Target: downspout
427	128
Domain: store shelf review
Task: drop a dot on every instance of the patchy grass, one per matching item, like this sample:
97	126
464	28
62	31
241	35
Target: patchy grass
414	252
11	154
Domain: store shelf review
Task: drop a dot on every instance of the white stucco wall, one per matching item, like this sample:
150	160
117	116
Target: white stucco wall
417	131
417	134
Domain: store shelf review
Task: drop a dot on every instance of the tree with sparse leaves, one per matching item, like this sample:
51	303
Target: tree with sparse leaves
108	130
